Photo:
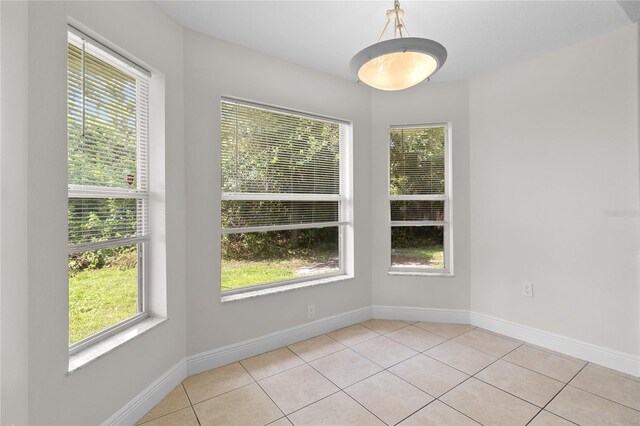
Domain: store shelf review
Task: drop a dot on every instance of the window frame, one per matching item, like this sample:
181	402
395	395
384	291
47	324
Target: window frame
344	199
447	197
142	243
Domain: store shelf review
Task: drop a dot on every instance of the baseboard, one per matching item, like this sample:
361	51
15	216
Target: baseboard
616	360
148	398
408	313
221	356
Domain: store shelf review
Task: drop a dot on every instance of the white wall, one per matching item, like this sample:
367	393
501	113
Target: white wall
214	68
425	103
96	391
13	214
554	145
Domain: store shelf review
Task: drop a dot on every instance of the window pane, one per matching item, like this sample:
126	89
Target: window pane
417	210
263	257
417	246
103	150
239	214
417	163
103	290
273	152
102	219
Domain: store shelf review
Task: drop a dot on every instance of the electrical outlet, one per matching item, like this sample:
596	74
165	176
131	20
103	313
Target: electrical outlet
311	311
527	289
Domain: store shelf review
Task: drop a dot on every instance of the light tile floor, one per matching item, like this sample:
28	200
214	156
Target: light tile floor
395	372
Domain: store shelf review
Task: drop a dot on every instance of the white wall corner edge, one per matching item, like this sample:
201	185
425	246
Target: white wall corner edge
135	409
616	360
227	354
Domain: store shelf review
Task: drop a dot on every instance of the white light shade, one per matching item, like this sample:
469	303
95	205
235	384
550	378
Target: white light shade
397	71
398	63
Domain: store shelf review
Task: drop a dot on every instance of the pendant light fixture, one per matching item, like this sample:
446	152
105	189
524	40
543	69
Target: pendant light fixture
400	62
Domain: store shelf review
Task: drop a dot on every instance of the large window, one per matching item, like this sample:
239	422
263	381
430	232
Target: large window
286	203
420	199
107	131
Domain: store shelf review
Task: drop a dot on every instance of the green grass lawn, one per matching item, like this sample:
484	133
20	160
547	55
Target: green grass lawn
432	257
100	298
236	274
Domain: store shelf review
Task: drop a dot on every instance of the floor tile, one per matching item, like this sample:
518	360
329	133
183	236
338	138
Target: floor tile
248	405
430	375
616	372
438	414
416	338
296	388
388	397
383	326
523	383
352	335
444	329
384	351
461	357
608	385
488	405
215	382
337	409
345	368
270	363
315	348
545	362
488	343
184	417
584	408
281	422
174	401
546	418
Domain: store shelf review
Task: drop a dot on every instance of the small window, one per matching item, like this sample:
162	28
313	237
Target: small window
419	199
286	209
108	195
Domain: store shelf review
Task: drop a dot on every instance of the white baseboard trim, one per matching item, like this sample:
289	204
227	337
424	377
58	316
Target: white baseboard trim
231	353
148	398
408	313
616	360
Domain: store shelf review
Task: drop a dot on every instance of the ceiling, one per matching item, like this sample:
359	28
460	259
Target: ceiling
480	36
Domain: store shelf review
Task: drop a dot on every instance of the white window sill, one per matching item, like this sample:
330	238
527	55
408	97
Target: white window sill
393	271
280	289
101	348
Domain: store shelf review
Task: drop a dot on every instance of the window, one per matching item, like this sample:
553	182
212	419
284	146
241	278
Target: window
420	199
286	196
108	219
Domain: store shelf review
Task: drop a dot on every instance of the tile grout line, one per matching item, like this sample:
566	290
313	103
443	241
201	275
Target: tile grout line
600	396
383	369
341	389
190	403
447	339
264	391
170	412
554	397
270	375
473	376
537	372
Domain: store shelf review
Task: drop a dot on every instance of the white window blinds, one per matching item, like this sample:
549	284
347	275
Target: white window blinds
417	187
280	169
107	125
